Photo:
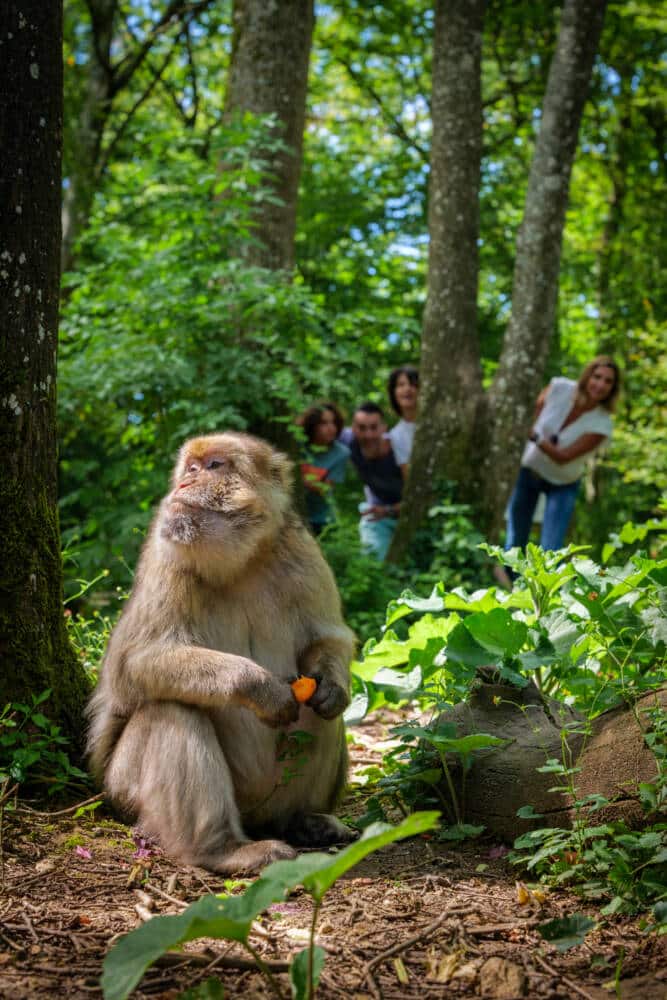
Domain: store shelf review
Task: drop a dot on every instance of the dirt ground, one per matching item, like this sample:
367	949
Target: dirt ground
418	919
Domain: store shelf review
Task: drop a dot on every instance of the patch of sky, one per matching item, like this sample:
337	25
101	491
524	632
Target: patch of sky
611	78
393	338
134	418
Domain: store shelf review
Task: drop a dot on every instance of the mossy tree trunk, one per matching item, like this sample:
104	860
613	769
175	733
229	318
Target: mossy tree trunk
473	437
34	649
269	75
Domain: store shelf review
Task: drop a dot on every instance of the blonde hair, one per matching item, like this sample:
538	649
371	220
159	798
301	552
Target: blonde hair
602	361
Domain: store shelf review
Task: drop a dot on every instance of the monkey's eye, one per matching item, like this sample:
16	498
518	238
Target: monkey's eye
215	463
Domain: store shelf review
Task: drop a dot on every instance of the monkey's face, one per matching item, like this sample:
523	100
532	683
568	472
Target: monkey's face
226	487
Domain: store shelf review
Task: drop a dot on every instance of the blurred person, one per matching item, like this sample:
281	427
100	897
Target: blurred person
324	462
403	390
373	457
572	420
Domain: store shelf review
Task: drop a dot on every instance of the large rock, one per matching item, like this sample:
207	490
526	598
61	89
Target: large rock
613	759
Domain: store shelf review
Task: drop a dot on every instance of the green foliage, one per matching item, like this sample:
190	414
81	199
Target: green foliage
566	932
166	333
365	585
33	751
590	635
231	917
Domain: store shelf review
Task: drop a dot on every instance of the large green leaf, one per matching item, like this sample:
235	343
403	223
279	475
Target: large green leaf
298	972
497	631
566	932
462	648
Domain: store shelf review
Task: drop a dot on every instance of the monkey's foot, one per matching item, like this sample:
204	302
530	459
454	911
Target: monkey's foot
251	857
318	830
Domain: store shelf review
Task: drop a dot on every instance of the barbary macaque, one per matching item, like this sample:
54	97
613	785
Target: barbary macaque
232	600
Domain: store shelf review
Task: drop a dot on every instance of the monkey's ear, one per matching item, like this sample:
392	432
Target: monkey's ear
281	470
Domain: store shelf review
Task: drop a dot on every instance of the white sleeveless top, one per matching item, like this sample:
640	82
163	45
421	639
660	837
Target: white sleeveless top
560	400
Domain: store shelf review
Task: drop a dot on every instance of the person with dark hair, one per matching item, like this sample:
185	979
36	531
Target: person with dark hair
324	461
372	456
403	388
572	420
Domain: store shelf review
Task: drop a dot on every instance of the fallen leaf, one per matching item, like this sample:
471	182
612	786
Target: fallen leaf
401	971
82	852
45	865
441	968
522	894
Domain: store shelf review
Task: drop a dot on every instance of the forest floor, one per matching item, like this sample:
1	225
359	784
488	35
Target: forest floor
418	919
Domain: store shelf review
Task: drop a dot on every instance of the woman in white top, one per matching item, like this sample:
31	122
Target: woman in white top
572	420
403	391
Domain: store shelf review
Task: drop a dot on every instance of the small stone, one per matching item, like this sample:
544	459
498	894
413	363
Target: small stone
501	979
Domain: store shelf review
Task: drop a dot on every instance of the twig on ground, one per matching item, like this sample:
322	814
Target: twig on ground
557	975
172	958
59	812
424	933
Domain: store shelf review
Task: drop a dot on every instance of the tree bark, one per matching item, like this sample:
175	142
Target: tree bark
34	648
471	438
451	375
269	75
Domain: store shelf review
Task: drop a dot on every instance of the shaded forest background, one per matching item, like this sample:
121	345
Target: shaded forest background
174	321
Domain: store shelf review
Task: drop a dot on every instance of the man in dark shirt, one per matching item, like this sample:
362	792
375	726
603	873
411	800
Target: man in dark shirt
372	456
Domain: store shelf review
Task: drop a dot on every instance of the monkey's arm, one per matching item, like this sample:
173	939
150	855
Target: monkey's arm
196	675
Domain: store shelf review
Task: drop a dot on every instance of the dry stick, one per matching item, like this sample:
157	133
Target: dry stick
452	912
61	812
165	895
28	922
557	975
172	958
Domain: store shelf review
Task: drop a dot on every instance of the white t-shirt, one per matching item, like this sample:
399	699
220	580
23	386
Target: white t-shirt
560	400
402	437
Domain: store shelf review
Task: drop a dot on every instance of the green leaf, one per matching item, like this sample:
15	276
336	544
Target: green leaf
528	812
462	648
660	914
566	932
497	631
375	836
298	972
210	989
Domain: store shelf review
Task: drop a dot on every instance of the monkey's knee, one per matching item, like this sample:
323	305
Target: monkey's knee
169	771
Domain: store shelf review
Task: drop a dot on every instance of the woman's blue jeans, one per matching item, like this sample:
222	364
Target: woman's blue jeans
560	501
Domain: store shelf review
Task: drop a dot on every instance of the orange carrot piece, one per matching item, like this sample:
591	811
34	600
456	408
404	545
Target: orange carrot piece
304	688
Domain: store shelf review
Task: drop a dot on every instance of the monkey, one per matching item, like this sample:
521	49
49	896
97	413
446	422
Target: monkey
232	600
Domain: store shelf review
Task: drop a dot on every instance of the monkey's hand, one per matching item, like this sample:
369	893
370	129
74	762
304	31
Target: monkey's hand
271	699
329	699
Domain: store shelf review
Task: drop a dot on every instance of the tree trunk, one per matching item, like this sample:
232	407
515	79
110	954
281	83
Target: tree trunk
451	382
34	647
520	372
472	439
269	75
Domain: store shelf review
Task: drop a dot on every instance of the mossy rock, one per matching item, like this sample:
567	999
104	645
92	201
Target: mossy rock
613	759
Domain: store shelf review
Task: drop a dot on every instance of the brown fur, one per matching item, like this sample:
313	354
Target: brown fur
232	598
